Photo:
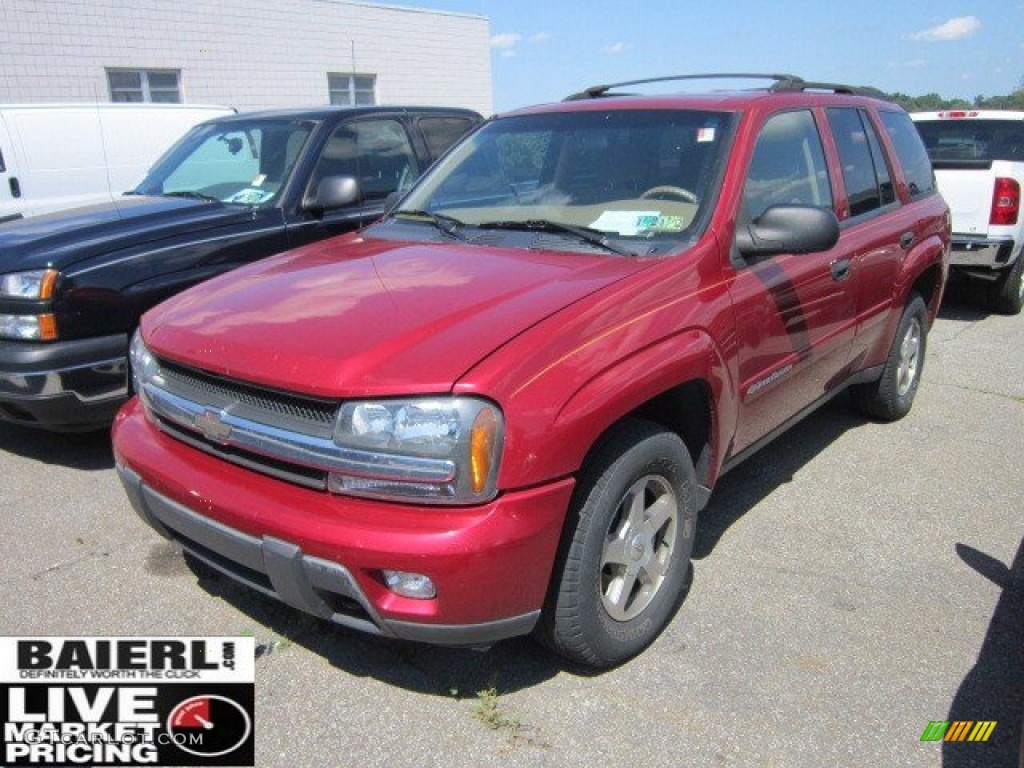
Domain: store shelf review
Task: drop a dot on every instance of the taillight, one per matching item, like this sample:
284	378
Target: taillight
1005	202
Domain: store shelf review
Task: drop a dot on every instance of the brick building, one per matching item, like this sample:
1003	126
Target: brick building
248	54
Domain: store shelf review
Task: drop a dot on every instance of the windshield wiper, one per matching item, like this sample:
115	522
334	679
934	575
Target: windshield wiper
586	234
447	224
190	195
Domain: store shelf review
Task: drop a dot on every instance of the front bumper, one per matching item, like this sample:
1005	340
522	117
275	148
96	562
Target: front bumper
63	386
323	554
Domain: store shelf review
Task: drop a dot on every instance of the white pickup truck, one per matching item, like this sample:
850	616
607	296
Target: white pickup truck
978	156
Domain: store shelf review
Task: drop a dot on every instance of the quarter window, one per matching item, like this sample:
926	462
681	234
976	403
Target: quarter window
352	90
788	166
865	173
139	85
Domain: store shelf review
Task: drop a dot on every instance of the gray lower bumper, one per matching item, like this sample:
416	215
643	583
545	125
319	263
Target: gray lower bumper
983	254
281	570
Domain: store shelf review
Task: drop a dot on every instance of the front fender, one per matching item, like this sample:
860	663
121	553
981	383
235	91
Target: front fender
549	437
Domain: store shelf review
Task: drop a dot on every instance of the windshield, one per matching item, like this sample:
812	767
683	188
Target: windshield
234	162
982	140
627	175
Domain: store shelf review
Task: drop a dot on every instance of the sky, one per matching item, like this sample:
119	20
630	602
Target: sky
543	50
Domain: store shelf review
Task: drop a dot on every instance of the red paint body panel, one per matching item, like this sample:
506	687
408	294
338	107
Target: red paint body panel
352	317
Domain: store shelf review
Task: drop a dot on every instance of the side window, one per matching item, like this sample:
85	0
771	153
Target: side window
377	153
441	132
788	166
865	174
910	151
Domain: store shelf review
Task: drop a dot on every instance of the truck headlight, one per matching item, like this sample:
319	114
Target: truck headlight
28	327
432	450
144	366
35	285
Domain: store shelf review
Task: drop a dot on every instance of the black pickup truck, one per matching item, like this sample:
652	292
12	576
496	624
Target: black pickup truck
74	284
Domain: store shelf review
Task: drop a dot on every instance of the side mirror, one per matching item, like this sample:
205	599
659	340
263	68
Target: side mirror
789	229
332	192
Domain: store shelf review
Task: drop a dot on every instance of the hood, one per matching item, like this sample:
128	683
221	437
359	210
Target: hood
65	238
354	317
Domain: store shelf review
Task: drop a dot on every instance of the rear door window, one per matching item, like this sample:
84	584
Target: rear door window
441	132
917	168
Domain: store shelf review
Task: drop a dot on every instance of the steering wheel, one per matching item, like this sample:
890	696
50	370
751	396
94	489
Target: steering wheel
683	194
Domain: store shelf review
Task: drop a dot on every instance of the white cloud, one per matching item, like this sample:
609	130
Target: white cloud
508	53
954	29
505	41
539	38
616	48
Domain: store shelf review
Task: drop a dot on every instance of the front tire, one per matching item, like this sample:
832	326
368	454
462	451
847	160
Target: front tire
625	558
891	397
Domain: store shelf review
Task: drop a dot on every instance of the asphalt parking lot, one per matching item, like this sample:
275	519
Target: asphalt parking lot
853	582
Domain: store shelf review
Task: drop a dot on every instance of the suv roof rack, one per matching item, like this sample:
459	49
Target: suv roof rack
782	84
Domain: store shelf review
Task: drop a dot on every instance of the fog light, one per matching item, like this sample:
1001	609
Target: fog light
410	584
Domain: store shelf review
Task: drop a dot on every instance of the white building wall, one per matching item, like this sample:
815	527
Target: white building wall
248	54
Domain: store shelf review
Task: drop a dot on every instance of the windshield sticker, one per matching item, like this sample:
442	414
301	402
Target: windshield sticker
626	222
667	224
705	135
250	196
258	181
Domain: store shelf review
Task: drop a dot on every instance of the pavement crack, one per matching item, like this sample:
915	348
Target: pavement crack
69	563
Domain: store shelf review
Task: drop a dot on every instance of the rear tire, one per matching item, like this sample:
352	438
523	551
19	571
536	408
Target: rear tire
891	397
1006	294
625	556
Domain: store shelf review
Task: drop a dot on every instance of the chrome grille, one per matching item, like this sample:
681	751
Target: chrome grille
264	405
275	433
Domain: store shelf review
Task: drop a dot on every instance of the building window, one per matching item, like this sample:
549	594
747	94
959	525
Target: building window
137	85
352	90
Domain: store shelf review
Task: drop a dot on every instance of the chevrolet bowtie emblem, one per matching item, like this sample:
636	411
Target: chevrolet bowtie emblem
211	424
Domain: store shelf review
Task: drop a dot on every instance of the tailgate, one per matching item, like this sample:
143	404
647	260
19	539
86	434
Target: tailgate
969	195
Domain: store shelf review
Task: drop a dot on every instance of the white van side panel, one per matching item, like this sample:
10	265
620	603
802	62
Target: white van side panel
61	159
8	170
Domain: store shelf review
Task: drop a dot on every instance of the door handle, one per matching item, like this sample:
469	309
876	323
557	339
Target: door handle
907	239
840	269
15	187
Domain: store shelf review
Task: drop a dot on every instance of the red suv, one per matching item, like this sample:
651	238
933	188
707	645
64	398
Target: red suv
500	409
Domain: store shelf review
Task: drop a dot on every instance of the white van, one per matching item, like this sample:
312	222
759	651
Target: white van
56	156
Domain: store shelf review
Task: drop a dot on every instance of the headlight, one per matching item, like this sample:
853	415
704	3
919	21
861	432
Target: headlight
37	284
434	450
28	327
144	365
